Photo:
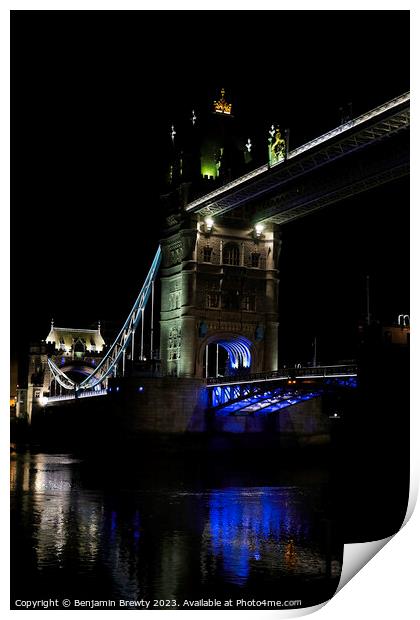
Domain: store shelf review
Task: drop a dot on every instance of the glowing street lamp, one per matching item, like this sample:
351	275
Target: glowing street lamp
258	229
209	222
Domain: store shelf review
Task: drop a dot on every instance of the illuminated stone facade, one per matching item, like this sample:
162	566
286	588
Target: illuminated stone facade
219	286
219	294
74	351
76	343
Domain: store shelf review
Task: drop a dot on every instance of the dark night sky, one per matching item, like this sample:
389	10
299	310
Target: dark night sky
91	108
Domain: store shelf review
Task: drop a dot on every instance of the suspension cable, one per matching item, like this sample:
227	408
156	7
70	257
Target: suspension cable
61	376
121	342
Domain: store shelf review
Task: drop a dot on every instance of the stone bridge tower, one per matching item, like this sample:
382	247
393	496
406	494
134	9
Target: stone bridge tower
219	304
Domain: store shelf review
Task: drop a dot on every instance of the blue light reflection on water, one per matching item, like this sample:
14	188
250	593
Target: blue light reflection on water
259	524
113	520
156	539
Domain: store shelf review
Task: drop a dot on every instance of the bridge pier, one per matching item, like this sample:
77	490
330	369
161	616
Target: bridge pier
138	408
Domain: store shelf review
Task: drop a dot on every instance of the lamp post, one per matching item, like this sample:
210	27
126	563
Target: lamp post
314	360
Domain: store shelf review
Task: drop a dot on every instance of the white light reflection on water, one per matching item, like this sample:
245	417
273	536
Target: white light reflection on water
148	539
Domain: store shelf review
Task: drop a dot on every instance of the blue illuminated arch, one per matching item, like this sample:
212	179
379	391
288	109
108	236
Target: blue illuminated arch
242	354
239	351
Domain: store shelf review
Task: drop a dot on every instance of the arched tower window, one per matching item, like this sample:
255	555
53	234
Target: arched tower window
79	346
231	254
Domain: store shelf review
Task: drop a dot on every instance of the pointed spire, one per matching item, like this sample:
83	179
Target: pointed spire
52	324
99	326
193	118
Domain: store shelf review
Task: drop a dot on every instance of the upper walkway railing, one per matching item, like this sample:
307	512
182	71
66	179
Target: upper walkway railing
310	372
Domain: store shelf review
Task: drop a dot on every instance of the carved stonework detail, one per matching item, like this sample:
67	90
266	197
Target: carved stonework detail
178	249
172	220
188	247
175	285
175	254
174	344
174	300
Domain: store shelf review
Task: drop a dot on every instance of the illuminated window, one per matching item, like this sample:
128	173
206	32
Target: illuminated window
207	252
231	254
79	346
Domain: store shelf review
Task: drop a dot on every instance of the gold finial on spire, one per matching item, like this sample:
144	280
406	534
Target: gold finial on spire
222	106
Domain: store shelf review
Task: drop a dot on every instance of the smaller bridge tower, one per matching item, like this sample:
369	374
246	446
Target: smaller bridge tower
75	351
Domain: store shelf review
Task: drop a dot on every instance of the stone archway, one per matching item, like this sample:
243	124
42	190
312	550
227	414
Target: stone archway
235	354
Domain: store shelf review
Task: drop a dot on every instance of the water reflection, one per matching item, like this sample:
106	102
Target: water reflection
261	529
74	533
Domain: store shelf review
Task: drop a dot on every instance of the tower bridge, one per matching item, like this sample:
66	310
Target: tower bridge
220	280
362	153
219	253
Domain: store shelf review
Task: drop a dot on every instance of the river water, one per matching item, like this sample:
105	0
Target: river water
129	528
